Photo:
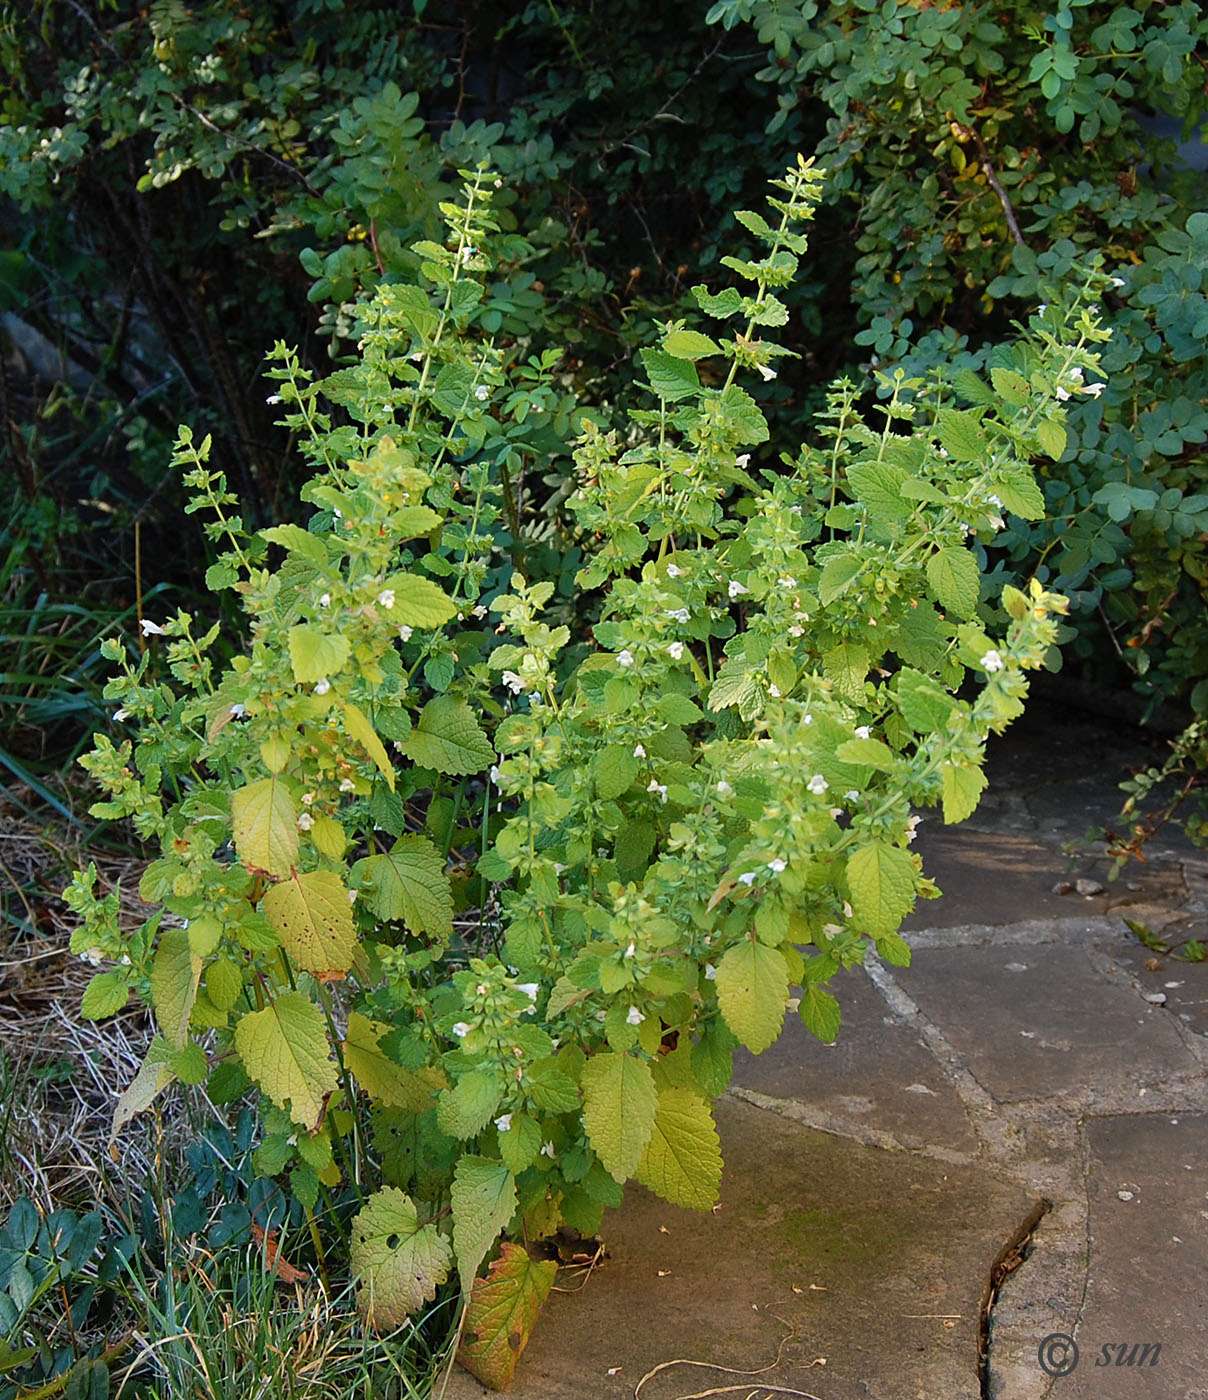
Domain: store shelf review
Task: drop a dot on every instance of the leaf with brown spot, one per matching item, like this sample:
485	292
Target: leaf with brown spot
501	1313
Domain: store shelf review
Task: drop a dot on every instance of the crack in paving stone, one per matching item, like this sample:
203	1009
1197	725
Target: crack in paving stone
1009	1258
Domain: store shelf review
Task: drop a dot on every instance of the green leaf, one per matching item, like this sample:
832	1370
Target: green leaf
398	1262
735	688
312	918
520	1142
465	1109
447	737
753	992
284	1048
955	581
224	983
418	602
154	1074
1011	385
409	883
682	1161
881	879
670	377
923	704
265	822
502	1312
297	541
175	974
963	785
868	753
690	345
104	996
361	731
962	435
845	666
1051	436
1019	493
484	1200
838	574
722	304
819	1012
619	1104
316	655
744	415
615	770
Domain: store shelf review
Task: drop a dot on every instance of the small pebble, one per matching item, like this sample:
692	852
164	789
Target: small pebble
1125	1195
1088	887
1156	998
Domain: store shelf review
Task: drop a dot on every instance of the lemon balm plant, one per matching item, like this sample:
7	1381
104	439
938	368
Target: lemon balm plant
652	832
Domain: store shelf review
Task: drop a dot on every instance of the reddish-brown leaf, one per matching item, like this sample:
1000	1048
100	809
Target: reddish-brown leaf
501	1313
274	1260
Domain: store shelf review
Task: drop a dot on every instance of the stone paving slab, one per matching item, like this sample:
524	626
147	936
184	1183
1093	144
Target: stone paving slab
1148	1192
843	1087
973	872
822	1248
1042	1022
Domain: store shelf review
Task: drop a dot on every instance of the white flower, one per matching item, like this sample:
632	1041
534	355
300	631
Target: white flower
325	600
774	692
674	571
482	393
481	990
461	1030
151	629
817	784
747	878
1076	374
352	896
386	598
724	787
912	827
513	682
675	650
119	715
807	719
404	633
1094	390
547	1149
660	788
736	589
530	989
991	662
625	657
322	686
796	630
787	581
308	798
503	1122
767	372
273	398
679	614
347	785
1042	308
1117	281
639	751
851	795
743	460
305	821
629	952
238	710
635	1017
494	774
1062	394
710	973
93	956
863	731
776	866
